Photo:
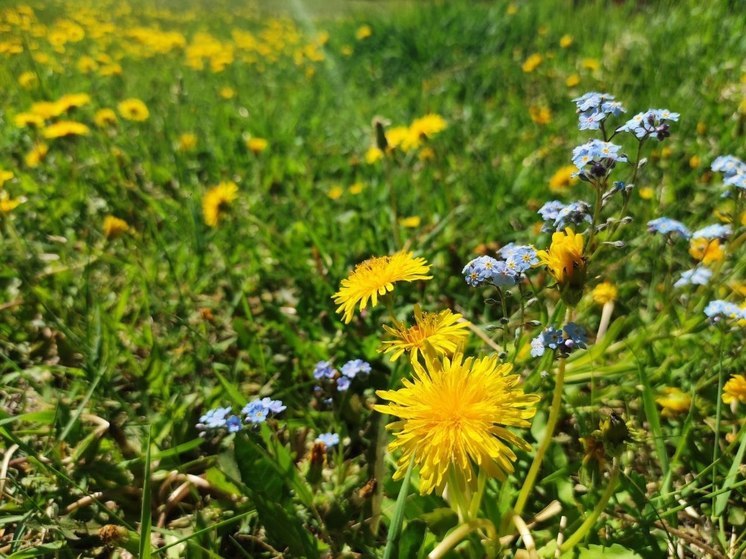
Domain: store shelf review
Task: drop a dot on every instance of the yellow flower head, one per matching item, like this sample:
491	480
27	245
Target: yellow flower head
64	128
356	188
563	178
8	204
215	201
572	80
47	109
187	141
28	119
540	114
71	101
256	145
453	416
565	259
706	250
411	222
437	333
363	32
376	276
591	64
5	176
36	155
227	92
427	126
114	227
105	117
604	293
133	109
27	80
673	401
531	63
566	41
373	155
335	192
735	390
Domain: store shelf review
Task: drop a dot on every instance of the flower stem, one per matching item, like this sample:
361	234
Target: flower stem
588	523
455	537
554	413
718	411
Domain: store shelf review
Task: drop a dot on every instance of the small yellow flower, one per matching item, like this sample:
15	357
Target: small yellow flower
572	80
453	419
591	64
373	155
5	176
563	178
257	145
565	259
566	41
335	192
187	141
65	128
363	32
701	128
47	109
114	227
604	292
28	119
376	276
426	154
356	188
646	192
8	204
532	63
735	390
512	9
71	101
227	92
104	117
216	199
695	161
133	109
432	334
428	125
27	80
398	136
411	222
673	401
540	114
346	50
706	251
37	154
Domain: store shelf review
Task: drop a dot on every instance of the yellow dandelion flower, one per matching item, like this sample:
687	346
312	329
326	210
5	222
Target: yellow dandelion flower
373	155
114	227
604	293
566	41
432	333
133	109
572	80
646	192
426	154
5	176
454	415
701	128
563	178
227	92
47	109
565	258
187	141
512	9
105	117
27	80
591	64
397	136
257	145
335	192
540	114
411	222
216	199
71	101
8	204
695	161
346	50
532	63
363	32
37	154
28	119
65	128
673	401
376	276
706	251
428	125
735	390
356	188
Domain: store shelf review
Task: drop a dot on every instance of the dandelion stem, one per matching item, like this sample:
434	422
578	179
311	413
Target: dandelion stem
455	537
588	523
718	411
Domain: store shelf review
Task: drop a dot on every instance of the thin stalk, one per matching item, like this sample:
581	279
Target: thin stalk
718	411
588	523
458	535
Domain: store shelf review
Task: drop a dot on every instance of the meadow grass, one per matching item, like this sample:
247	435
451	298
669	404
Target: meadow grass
114	344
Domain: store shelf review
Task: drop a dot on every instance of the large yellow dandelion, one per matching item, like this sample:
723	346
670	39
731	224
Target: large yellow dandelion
65	128
376	276
565	257
435	333
133	109
453	418
215	201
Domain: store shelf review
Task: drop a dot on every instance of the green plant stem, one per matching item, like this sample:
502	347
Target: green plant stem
554	413
718	411
588	523
455	537
396	522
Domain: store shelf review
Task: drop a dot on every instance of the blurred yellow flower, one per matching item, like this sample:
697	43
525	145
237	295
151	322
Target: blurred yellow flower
215	201
695	161
373	155
453	419
604	292
363	32
346	50
47	109
432	334
512	9
114	227
673	401
563	178
591	64
376	276
646	192
396	136
104	117
356	188
5	176
8	204
531	63
410	222
428	125
36	155
335	192
735	390
227	92
540	114
572	80
65	128
565	258
426	154
706	250
133	109
71	101
257	145
27	80
28	119
187	142
566	41
701	128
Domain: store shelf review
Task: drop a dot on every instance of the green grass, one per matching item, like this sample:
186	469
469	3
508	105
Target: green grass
112	349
